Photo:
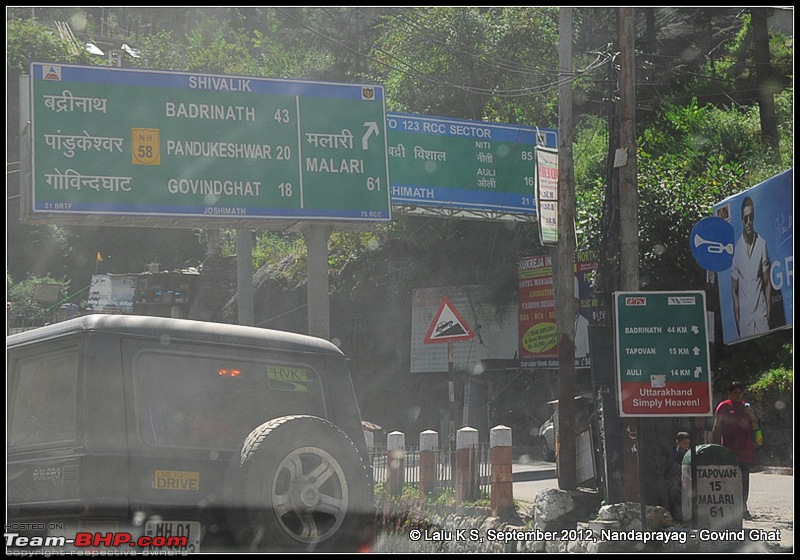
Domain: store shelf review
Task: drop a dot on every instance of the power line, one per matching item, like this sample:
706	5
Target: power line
488	58
415	72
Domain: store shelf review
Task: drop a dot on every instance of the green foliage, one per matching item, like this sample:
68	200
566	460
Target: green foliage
589	152
278	61
746	361
273	247
701	143
270	248
780	380
221	56
44	252
162	51
444	496
772	397
214	47
689	158
737	63
484	501
26	41
784	109
441	496
676	198
408	494
21	293
345	247
471	63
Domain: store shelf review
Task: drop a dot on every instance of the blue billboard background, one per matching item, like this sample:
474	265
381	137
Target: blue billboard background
774	221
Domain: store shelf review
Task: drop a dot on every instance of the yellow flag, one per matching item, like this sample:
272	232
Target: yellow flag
99	257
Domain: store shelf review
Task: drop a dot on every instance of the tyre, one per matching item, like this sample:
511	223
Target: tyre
305	487
547	453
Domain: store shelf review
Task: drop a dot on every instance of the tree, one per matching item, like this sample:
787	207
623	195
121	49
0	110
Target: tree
764	81
490	63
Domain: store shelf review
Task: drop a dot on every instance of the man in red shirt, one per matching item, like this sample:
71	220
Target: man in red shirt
734	427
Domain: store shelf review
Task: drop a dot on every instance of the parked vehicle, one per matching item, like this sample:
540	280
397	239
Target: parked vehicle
584	415
547	440
240	438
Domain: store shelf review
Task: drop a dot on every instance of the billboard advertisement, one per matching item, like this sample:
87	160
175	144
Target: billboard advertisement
756	294
538	345
547	194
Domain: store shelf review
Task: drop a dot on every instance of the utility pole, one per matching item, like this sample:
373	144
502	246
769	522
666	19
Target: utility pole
244	276
625	161
564	269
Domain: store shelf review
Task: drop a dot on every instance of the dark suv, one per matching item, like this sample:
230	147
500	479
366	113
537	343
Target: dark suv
237	437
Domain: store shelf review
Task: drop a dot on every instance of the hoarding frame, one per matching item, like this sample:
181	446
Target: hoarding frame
773	204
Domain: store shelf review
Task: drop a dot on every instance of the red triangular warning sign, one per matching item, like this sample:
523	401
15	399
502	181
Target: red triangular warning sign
448	325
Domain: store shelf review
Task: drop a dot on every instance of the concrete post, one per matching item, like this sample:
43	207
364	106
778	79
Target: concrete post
467	468
369	437
395	462
500	456
316	236
428	443
244	277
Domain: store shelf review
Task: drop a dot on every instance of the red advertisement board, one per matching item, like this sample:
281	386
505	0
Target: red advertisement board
538	346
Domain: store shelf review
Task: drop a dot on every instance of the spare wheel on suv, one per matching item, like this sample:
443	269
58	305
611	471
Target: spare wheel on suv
304	486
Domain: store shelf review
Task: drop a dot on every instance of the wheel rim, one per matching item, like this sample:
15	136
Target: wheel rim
309	495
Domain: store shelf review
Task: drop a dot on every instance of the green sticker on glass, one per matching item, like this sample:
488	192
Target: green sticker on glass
283	378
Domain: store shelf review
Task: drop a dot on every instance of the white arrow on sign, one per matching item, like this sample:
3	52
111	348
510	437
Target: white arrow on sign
372	128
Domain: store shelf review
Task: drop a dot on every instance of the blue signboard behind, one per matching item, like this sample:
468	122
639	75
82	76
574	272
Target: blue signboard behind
757	292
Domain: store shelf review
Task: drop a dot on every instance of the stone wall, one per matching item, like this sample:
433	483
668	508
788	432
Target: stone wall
550	527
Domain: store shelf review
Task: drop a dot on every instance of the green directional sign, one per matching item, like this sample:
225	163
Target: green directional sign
119	145
464	168
662	354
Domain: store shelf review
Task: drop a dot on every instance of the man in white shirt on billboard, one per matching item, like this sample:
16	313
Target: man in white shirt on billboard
750	277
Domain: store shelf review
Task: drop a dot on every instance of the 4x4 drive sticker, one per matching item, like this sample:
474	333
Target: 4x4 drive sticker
176	480
282	378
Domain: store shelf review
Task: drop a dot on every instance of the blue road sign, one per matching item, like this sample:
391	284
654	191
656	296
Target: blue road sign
711	242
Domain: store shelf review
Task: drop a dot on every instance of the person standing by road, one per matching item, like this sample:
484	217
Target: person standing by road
672	489
682	443
672	459
734	427
751	287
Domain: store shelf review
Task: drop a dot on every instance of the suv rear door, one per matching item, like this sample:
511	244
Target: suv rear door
190	408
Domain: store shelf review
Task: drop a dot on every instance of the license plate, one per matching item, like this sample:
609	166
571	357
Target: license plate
188	529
